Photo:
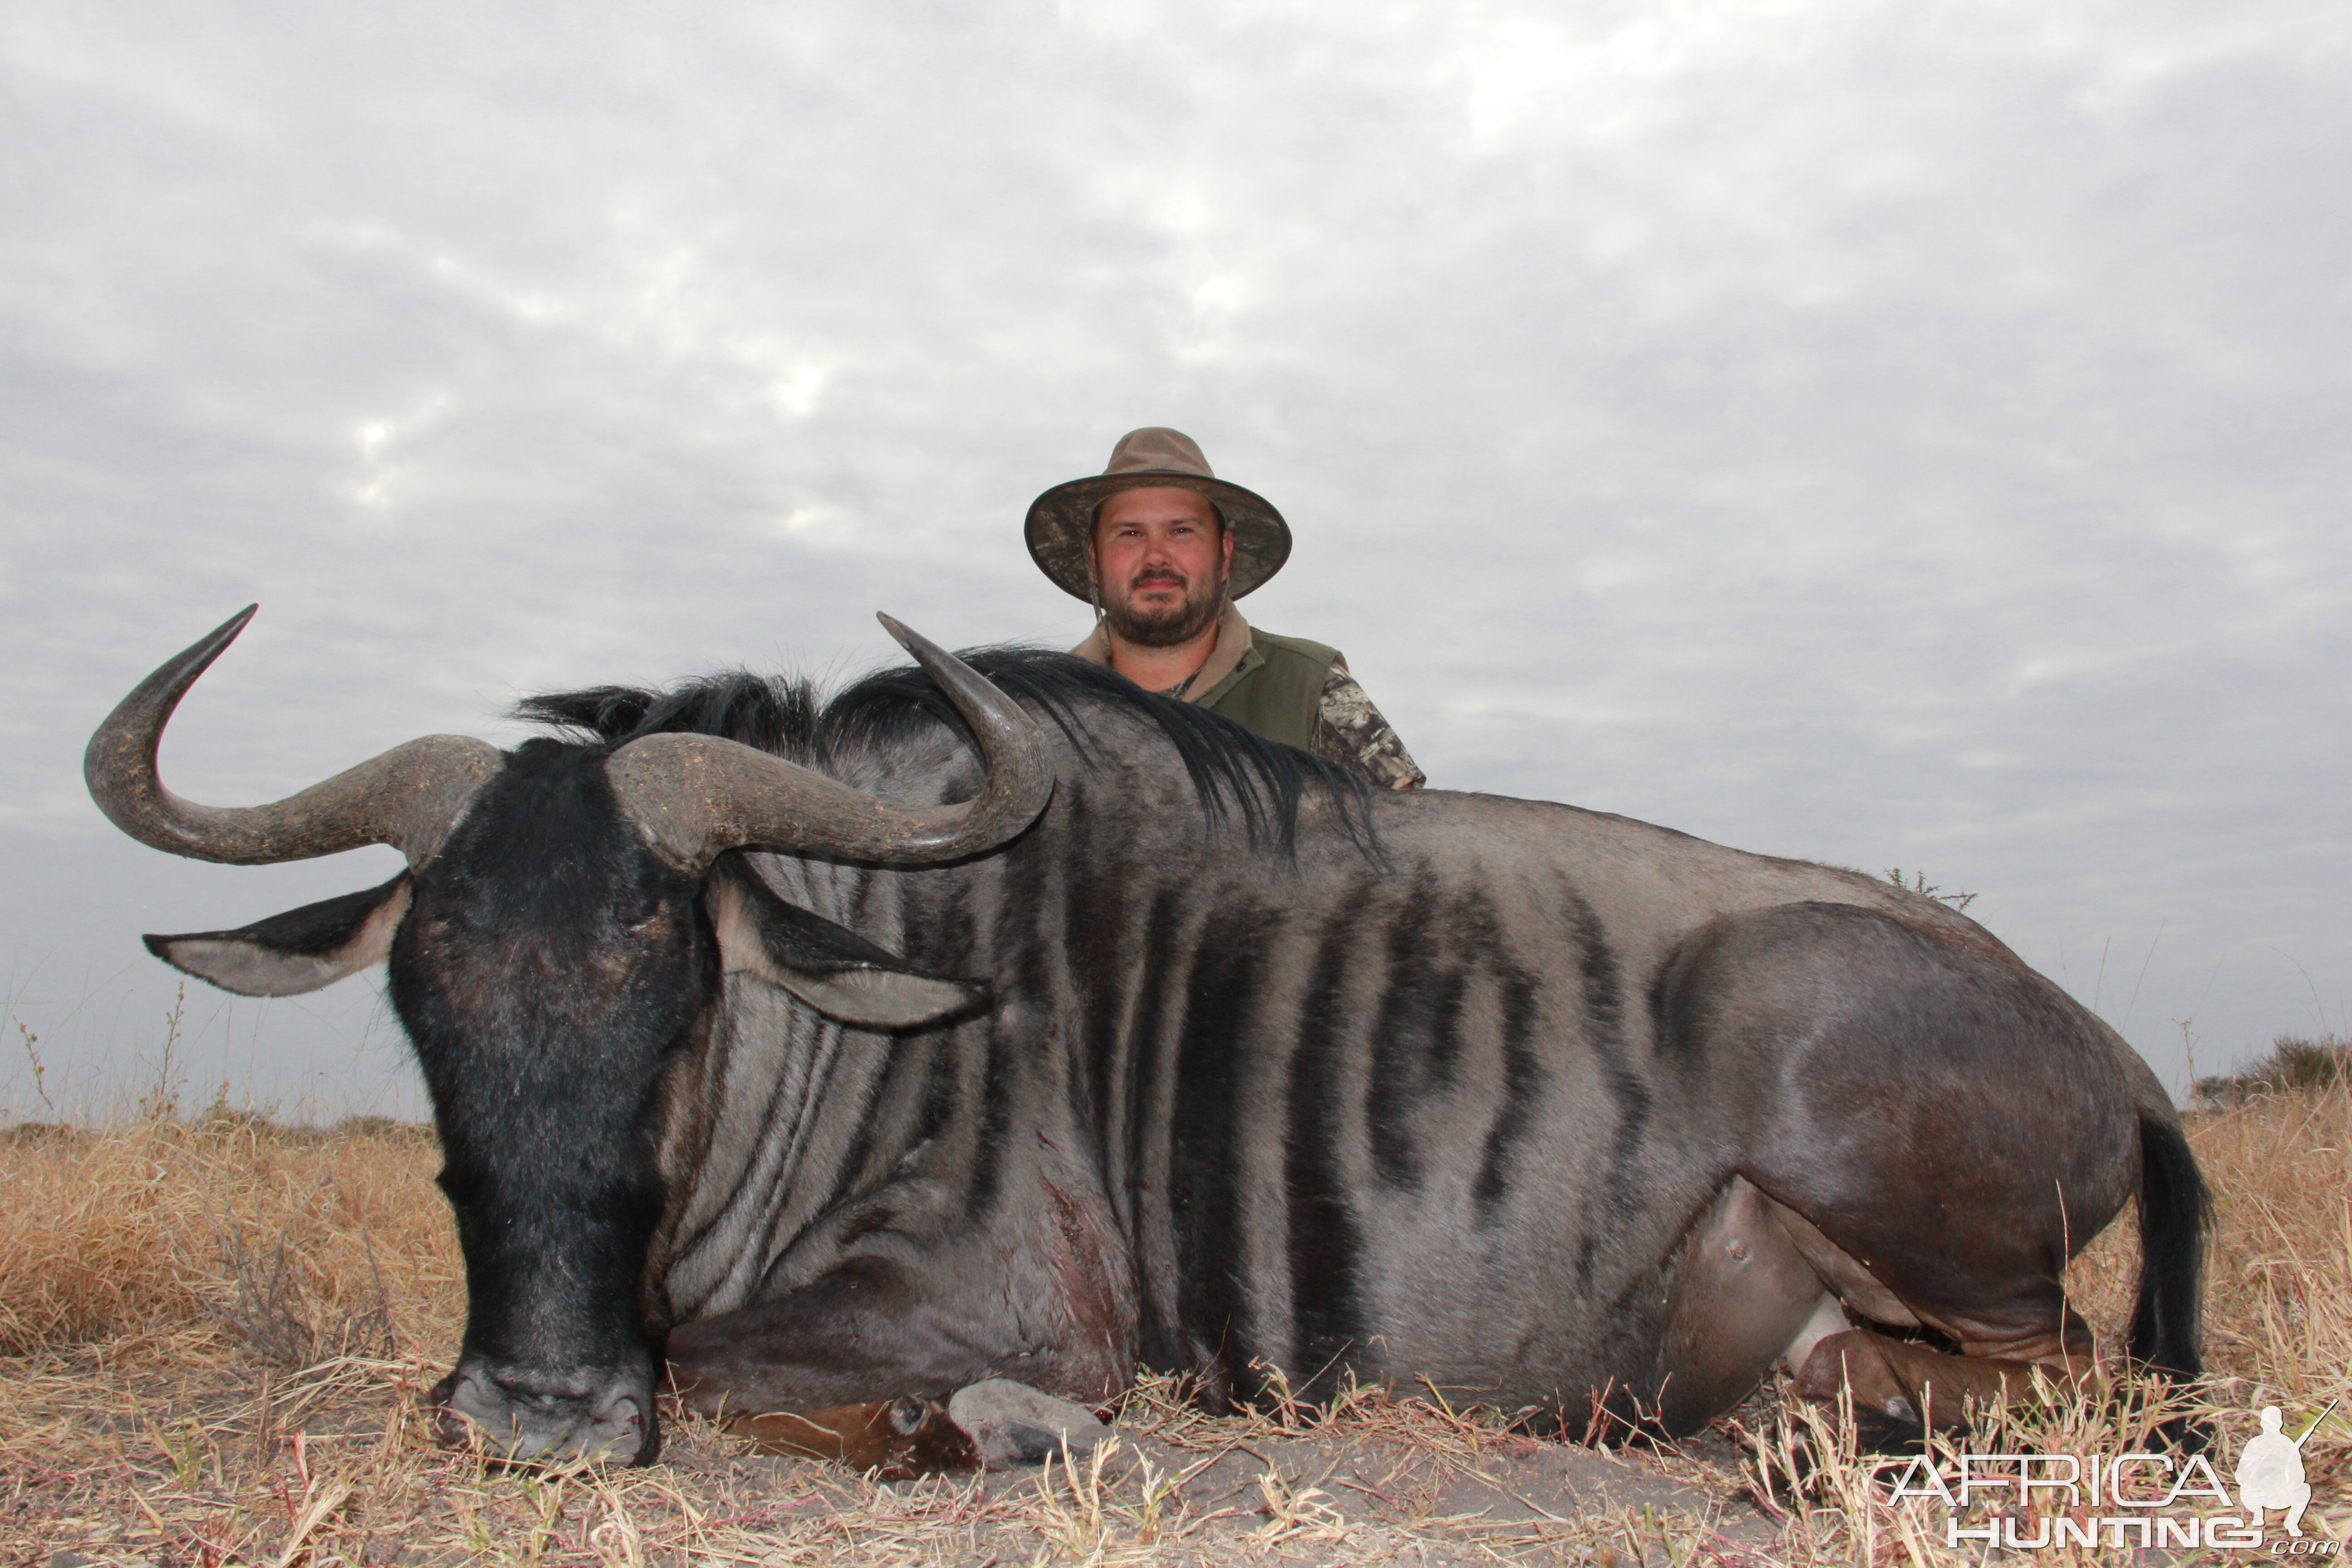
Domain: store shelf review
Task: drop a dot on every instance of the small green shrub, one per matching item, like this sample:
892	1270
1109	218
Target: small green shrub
2294	1065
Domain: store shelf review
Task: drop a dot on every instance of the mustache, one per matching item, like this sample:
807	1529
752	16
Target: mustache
1151	575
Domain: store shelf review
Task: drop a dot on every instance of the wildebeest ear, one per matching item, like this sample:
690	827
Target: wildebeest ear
298	950
828	966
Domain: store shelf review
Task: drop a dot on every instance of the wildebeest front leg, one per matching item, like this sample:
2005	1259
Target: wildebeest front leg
865	1334
859	1366
854	1366
897	1437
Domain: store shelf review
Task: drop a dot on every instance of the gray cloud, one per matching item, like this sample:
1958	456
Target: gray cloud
1890	435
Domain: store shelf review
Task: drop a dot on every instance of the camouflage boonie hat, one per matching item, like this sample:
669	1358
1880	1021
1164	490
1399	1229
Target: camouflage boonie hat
1062	520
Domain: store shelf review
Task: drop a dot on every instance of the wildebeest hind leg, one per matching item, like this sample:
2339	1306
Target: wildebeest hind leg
1901	1388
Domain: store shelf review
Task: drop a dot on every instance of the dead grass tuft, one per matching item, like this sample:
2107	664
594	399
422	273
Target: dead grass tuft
289	1242
213	1335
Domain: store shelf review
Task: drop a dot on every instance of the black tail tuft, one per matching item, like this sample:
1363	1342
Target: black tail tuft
2175	1210
2176	1213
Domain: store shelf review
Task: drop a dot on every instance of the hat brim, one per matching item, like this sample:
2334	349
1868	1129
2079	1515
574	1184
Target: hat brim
1062	520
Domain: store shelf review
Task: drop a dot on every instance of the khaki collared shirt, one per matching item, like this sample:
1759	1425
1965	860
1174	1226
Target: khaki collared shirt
1349	730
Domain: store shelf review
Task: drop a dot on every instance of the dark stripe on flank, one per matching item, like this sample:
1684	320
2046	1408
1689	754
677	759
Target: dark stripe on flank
1596	963
1677	1013
1096	924
1477	940
1604	1026
1203	1179
1445	1024
1521	1083
1159	1338
1021	899
1400	1031
1324	1242
995	1116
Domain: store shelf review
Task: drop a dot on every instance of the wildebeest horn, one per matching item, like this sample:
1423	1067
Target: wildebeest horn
698	797
408	797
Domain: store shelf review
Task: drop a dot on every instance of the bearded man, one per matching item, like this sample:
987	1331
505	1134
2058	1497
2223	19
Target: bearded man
1162	548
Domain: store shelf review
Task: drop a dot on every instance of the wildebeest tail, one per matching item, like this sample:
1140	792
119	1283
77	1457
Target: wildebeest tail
2174	1213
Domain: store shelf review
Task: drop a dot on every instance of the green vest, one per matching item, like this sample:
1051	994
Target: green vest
1277	687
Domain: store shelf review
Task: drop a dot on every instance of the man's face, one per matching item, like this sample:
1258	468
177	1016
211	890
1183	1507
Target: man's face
1161	559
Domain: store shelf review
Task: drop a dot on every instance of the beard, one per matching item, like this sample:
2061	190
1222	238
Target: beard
1177	622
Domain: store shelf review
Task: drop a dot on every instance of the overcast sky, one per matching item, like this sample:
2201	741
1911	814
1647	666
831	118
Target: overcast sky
1893	433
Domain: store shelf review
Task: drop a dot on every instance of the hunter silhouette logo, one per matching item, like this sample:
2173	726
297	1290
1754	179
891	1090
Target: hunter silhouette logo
2269	1469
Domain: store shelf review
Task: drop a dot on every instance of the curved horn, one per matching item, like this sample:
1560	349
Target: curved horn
698	797
408	797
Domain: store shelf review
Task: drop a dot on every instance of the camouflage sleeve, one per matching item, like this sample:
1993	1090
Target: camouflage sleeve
1350	730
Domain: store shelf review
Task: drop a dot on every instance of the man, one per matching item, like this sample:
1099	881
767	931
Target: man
2270	1471
1162	548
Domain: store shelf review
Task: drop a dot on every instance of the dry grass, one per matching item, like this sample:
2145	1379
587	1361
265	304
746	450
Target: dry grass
213	1337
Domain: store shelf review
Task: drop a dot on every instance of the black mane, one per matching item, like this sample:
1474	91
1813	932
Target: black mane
1232	768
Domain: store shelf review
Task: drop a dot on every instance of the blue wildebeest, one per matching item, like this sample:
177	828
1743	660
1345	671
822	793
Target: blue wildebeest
1022	1024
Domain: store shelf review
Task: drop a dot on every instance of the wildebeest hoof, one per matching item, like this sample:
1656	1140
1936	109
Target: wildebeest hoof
894	1438
1013	1425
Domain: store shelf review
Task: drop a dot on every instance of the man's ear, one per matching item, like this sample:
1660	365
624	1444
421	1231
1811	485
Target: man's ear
830	967
298	950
